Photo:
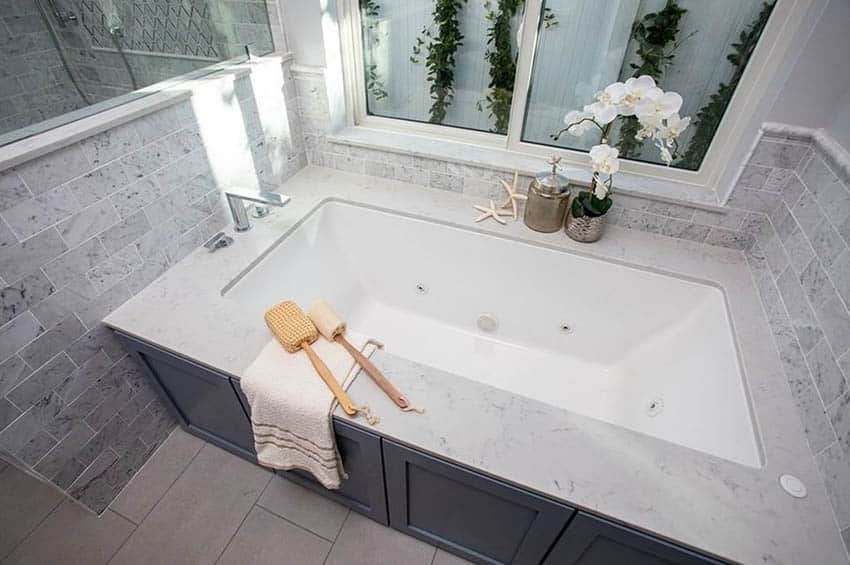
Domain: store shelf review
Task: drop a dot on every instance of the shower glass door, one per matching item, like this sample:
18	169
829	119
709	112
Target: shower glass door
61	60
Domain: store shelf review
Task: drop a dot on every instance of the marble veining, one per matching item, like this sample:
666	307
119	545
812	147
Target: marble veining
666	489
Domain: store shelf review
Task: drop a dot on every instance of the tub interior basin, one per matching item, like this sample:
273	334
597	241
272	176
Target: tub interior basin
647	351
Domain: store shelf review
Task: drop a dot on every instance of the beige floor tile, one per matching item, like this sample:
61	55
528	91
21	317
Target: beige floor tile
145	489
72	535
268	539
304	507
364	542
200	513
24	502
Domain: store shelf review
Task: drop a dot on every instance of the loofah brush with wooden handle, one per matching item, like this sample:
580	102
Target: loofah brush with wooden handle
294	330
332	328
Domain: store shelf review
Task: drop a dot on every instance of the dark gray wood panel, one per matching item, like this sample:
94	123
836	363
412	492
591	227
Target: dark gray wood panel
467	513
204	400
589	540
363	491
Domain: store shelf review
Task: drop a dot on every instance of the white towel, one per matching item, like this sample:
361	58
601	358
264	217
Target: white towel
291	407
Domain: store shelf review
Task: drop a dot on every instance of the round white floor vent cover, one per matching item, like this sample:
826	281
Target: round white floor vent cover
793	486
487	322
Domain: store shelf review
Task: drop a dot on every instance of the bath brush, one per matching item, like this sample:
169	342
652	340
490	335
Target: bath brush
332	328
295	331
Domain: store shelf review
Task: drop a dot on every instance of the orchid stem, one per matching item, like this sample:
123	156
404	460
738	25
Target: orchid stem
558	134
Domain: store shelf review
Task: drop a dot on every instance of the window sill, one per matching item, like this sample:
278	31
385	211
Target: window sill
509	161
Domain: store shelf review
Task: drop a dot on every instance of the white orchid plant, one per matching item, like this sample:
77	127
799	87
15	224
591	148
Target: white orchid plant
658	114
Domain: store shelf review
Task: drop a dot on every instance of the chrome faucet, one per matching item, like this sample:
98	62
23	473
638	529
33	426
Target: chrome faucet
236	198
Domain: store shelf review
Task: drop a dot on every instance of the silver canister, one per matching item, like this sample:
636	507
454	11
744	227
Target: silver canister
548	196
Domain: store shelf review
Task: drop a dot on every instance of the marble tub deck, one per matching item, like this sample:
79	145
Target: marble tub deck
736	512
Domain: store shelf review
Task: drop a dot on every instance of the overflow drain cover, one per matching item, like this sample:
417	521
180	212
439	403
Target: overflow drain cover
793	486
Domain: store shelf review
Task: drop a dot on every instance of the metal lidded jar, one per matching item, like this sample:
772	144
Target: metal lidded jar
548	197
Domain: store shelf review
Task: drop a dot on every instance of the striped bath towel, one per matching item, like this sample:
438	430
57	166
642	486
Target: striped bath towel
291	407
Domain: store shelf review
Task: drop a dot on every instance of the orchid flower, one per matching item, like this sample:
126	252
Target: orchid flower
657	103
604	159
636	89
673	128
657	112
649	126
605	109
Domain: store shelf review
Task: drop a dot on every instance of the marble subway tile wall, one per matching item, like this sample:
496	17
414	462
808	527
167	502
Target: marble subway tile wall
34	86
82	230
801	263
789	213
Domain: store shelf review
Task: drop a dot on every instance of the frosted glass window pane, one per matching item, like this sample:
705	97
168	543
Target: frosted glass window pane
596	43
463	89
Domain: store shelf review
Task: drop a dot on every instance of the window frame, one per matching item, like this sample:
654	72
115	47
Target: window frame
766	60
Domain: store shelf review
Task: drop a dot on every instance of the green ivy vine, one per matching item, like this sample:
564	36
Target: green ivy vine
502	61
440	42
370	12
655	35
709	116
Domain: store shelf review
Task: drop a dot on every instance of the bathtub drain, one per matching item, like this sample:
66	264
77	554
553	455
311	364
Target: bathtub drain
654	407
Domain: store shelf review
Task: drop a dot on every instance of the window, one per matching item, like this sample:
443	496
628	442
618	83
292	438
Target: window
61	60
447	62
460	63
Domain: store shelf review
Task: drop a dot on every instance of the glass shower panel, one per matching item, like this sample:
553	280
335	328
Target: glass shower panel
64	59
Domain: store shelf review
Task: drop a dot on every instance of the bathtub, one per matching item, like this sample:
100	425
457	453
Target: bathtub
648	351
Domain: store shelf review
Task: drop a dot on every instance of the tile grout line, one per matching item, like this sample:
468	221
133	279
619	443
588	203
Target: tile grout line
142	521
108	509
294	523
245	517
333	545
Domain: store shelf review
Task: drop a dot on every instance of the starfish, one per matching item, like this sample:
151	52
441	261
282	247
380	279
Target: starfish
491	212
513	195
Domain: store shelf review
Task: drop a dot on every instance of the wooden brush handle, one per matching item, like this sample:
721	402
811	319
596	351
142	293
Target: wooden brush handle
327	376
374	372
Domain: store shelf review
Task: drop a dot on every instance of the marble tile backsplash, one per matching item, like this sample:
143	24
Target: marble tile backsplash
731	227
81	231
789	213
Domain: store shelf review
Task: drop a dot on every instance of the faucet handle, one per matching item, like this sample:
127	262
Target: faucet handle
218	241
261	196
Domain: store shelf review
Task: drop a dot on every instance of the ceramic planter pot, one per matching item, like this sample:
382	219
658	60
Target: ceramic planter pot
585	229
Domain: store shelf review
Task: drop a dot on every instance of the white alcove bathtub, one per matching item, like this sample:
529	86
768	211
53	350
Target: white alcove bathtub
647	351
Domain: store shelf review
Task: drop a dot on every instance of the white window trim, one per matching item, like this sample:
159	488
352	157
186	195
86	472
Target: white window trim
770	54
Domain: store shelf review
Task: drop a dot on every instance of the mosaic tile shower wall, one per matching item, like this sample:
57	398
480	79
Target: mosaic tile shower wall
81	231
